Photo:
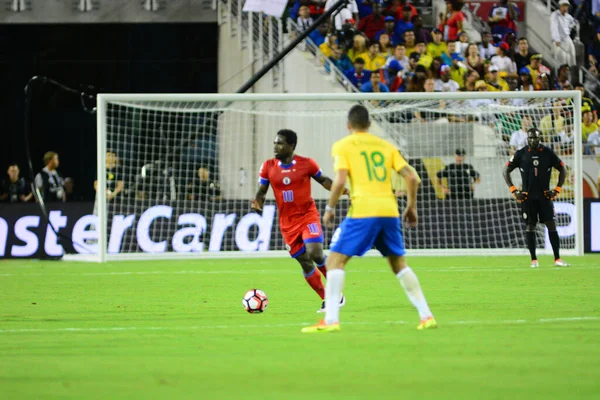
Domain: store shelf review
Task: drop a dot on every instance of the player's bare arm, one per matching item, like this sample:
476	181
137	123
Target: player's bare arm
257	203
410	215
517	194
337	189
562	176
326	182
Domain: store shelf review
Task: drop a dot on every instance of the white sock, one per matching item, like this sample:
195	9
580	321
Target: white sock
333	288
410	283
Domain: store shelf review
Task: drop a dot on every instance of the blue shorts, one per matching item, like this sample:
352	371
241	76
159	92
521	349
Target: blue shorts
356	236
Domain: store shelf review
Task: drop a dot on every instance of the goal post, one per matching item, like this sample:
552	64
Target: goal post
189	165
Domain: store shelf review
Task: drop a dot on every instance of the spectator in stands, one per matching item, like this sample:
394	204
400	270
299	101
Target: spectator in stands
586	102
385	45
434	69
357	75
511	39
15	189
471	78
365	7
393	76
424	59
495	83
526	84
544	81
561	25
372	24
421	33
340	60
536	68
523	55
349	11
458	70
417	81
390	29
359	46
518	139
317	7
374	85
436	47
304	20
346	35
486	48
588	126
411	68
473	59
373	60
452	22
594	52
506	66
563	140
445	83
562	78
447	56
552	124
462	43
203	188
481	86
396	8
48	180
428	115
318	35
329	45
410	41
399	55
503	16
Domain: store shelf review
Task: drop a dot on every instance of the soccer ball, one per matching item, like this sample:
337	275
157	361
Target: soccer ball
255	301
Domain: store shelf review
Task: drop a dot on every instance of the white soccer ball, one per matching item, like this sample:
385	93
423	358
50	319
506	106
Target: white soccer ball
255	301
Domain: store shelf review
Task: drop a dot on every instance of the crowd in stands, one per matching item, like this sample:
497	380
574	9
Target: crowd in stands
382	46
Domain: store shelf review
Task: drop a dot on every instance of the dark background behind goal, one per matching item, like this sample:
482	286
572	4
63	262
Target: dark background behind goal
121	58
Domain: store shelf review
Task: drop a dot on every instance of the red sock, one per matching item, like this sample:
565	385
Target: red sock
314	280
323	270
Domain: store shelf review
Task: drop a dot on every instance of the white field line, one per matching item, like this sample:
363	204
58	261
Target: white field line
286	270
266	326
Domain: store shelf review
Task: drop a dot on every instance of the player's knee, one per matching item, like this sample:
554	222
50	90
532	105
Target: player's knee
530	228
551	225
316	255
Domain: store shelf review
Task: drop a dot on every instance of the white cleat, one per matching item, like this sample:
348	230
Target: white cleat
534	264
560	263
342	304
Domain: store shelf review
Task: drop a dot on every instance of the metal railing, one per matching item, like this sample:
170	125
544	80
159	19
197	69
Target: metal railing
262	35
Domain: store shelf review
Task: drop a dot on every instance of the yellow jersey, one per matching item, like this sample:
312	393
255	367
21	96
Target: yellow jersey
436	50
369	161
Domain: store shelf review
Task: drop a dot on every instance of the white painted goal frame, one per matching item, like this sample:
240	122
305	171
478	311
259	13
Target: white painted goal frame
104	99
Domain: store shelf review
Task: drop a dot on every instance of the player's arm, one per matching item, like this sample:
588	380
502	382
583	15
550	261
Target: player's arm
562	176
438	180
118	189
341	166
412	186
510	167
257	203
318	176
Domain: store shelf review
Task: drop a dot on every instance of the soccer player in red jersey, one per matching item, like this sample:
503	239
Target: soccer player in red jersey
289	175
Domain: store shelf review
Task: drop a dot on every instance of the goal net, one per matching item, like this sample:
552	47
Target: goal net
189	167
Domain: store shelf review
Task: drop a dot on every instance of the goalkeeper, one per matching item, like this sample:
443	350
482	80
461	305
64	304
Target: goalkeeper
535	162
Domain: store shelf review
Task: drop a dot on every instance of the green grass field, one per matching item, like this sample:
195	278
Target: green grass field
145	330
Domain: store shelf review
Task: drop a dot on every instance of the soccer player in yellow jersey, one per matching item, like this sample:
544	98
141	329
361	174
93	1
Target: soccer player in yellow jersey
373	219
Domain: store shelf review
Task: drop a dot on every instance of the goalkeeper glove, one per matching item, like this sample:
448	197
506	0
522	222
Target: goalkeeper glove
519	195
552	194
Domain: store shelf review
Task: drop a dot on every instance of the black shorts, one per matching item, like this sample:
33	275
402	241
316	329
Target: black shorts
538	210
